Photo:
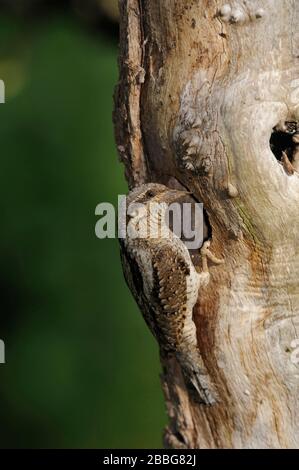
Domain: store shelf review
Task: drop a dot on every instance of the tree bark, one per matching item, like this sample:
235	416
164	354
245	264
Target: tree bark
203	83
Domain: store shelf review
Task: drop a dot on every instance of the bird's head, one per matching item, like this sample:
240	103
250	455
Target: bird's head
139	198
149	202
153	192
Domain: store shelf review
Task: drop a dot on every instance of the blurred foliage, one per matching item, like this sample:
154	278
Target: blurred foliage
91	9
82	370
110	7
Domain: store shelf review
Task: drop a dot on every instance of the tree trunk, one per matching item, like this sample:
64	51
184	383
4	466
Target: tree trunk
204	87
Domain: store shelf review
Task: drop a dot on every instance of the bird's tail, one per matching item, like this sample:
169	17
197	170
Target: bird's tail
196	377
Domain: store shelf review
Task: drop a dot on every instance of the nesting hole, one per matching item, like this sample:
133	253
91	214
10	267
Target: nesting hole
281	140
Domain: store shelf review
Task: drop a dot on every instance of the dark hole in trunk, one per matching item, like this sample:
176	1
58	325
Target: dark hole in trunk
281	140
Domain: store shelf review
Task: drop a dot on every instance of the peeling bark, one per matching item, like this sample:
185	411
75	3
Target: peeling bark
202	86
128	97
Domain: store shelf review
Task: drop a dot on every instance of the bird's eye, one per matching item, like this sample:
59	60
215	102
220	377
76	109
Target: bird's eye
149	194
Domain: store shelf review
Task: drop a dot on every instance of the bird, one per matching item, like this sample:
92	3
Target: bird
164	282
295	159
287	165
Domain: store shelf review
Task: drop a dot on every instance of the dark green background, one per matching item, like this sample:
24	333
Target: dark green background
82	370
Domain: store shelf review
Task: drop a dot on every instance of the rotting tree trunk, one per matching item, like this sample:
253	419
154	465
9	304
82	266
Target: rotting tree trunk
202	85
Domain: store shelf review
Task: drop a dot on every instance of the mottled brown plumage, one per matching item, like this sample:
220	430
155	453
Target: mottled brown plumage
164	282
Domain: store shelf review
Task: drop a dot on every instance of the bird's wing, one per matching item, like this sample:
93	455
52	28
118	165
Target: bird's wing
170	271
